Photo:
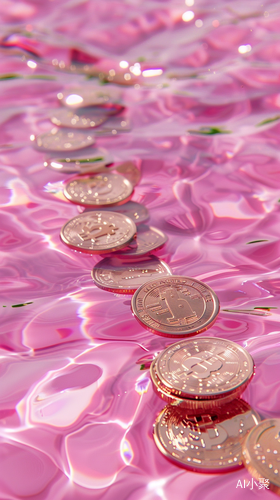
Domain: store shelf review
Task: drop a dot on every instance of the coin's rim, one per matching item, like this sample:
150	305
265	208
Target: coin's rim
129	255
164	332
194	468
94	205
123	290
194	403
248	458
98	252
235	391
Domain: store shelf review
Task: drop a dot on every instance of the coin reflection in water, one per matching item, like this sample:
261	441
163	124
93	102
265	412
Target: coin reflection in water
261	452
115	275
81	163
206	442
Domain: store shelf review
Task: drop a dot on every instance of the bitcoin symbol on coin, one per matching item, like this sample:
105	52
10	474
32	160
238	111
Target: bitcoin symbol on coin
103	230
203	366
171	301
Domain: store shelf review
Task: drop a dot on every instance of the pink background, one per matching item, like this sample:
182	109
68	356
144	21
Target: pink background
76	411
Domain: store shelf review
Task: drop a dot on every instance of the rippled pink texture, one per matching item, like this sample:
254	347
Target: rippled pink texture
76	410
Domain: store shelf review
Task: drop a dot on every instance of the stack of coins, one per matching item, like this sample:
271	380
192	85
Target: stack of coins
206	424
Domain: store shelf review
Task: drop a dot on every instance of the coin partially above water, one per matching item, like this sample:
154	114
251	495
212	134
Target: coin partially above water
205	442
205	368
98	232
115	275
148	239
94	161
138	213
89	96
99	190
63	140
261	453
63	117
130	171
176	306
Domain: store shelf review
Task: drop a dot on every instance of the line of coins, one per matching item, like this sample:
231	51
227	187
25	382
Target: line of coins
205	424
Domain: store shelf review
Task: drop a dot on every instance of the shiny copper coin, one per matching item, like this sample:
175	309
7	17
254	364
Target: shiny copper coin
261	453
138	213
99	190
63	140
130	171
98	232
167	395
89	96
206	442
175	306
94	161
148	239
63	117
115	275
205	368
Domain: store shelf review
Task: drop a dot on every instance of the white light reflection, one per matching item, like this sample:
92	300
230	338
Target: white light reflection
32	64
124	64
74	99
243	49
199	23
189	3
188	16
152	72
56	165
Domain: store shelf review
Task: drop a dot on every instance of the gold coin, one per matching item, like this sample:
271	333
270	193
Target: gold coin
261	453
205	442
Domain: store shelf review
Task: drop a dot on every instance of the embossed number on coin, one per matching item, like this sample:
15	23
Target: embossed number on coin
175	306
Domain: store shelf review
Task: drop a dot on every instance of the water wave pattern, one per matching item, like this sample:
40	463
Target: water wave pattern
76	406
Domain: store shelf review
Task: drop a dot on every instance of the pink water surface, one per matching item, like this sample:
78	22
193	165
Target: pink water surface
76	410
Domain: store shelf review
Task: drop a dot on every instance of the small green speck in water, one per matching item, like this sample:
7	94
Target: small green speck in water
266	308
21	305
209	131
268	120
255	241
142	367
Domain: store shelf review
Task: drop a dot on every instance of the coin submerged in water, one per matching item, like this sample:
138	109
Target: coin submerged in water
205	368
206	442
115	275
63	117
89	96
175	306
92	161
138	213
63	140
98	232
148	239
99	190
261	453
